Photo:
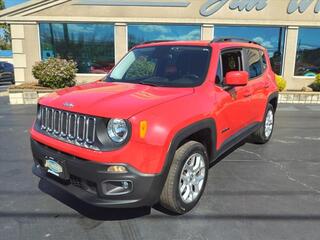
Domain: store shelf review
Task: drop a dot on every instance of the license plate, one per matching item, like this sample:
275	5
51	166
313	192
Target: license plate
56	167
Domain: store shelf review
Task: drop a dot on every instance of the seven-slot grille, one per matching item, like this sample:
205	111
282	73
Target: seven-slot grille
67	126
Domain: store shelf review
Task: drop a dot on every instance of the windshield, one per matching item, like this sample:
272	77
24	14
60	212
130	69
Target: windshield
163	66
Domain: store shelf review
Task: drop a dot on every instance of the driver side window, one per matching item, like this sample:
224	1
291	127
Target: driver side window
231	61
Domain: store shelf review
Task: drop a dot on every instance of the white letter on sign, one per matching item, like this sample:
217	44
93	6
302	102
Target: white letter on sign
210	7
301	5
248	4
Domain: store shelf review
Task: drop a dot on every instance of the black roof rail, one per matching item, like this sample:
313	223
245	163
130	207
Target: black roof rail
157	41
233	39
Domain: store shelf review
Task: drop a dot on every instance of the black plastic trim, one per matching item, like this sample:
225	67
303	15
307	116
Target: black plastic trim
145	191
274	95
237	138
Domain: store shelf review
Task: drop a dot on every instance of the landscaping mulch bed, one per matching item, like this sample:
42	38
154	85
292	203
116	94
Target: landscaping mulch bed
29	86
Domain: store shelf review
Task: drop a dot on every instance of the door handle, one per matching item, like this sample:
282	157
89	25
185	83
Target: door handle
266	85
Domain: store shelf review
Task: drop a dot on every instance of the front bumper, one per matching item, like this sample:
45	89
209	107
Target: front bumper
87	180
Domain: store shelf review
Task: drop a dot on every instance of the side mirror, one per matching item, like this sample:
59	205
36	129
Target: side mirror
237	78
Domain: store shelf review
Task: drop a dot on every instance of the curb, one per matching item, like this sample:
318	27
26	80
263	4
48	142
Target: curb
299	97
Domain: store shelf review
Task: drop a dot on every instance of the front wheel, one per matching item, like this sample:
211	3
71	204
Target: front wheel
264	133
186	179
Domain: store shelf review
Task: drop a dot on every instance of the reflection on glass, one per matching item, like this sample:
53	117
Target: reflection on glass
272	38
255	62
90	45
163	66
308	52
141	33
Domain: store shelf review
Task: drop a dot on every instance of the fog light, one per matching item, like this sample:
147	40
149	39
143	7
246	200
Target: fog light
117	187
117	169
125	185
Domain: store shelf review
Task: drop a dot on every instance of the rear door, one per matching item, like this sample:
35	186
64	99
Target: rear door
256	67
235	107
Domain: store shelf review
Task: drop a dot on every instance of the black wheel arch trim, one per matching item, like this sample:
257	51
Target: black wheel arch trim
272	96
208	123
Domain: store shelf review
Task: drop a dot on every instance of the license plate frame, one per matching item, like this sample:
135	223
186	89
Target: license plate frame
56	167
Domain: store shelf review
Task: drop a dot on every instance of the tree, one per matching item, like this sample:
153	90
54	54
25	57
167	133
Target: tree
2	5
5	38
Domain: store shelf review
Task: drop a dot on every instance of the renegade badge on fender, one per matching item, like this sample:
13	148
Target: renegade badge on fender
148	132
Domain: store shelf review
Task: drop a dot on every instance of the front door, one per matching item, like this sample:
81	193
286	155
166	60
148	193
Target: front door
234	111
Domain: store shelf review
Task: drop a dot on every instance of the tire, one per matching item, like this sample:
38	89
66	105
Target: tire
13	81
180	174
264	134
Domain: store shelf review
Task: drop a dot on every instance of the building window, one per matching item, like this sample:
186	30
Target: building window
90	45
141	33
5	41
308	52
272	38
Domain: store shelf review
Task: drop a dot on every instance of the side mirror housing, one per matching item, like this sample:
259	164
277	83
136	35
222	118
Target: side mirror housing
237	78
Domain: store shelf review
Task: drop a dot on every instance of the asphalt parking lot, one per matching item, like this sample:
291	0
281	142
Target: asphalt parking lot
269	192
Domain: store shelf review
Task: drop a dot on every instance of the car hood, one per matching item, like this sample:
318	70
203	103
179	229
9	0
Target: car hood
112	100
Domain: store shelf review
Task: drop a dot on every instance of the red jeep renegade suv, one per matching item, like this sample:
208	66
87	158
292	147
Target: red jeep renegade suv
147	132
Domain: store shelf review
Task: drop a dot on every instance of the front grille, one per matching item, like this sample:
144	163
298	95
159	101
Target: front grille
76	181
71	127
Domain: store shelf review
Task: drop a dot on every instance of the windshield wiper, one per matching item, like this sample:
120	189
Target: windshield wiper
153	81
150	84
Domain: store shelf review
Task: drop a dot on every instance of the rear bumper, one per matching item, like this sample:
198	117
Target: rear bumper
87	180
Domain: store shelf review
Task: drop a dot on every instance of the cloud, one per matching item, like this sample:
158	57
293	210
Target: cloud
154	28
265	43
193	35
306	47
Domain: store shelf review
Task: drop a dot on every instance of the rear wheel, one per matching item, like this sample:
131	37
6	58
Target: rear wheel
186	179
264	133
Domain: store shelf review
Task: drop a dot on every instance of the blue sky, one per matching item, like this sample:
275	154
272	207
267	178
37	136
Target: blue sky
10	3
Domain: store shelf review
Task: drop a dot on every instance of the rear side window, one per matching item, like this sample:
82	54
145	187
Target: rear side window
256	62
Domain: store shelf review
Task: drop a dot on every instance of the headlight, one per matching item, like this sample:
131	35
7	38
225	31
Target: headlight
118	130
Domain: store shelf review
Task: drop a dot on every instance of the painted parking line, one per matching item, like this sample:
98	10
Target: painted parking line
288	109
314	108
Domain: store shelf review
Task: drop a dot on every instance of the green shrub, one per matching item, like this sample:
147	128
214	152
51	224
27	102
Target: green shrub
281	83
55	73
315	86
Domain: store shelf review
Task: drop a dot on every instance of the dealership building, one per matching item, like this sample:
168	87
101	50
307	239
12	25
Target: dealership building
97	33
